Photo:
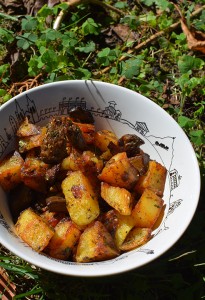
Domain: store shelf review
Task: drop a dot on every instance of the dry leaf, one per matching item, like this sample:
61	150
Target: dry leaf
124	33
29	7
195	39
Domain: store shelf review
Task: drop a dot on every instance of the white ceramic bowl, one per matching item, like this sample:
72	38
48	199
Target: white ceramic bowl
123	111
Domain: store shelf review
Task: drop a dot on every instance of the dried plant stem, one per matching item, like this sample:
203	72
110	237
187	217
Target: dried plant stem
152	38
24	85
72	3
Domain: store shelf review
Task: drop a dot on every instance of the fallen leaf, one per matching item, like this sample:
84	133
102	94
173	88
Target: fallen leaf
29	7
195	39
124	33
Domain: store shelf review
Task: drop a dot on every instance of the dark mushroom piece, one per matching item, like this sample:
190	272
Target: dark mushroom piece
78	114
54	174
19	199
62	134
56	204
76	137
54	145
140	162
129	143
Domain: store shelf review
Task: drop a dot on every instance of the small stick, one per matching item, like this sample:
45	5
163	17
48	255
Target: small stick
25	85
152	38
70	3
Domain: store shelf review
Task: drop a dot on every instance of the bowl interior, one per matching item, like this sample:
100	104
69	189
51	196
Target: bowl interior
122	111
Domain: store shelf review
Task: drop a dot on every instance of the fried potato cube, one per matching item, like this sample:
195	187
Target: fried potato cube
10	171
33	174
73	162
81	199
102	139
147	209
125	224
105	156
154	179
118	171
27	129
118	225
27	143
160	218
33	230
52	218
118	198
83	162
91	162
64	239
95	244
136	237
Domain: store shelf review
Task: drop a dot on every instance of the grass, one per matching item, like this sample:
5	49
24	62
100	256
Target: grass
89	45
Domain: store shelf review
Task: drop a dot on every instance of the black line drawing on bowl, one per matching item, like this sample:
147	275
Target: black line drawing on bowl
4	223
3	144
161	145
96	91
146	251
173	206
174	179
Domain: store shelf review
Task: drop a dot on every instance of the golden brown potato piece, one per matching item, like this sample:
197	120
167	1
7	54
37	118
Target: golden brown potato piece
118	198
160	218
10	171
91	162
33	230
136	237
147	209
118	171
33	174
83	162
27	143
118	225
27	129
64	239
52	218
81	200
95	244
73	162
125	224
154	179
103	138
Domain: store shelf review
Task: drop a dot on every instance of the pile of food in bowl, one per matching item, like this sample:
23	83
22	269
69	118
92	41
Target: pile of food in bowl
81	194
95	179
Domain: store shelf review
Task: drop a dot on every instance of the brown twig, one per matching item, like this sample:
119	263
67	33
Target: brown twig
152	38
72	3
24	85
162	32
